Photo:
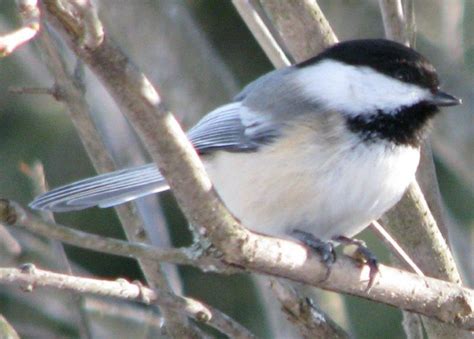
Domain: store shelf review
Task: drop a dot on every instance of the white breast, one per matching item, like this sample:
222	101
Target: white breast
323	189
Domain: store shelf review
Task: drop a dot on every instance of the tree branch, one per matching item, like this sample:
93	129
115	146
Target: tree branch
161	133
7	330
308	318
70	91
137	250
301	25
36	174
394	20
255	20
438	299
30	277
419	214
434	246
11	41
281	27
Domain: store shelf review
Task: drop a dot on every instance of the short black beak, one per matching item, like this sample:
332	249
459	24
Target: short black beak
441	98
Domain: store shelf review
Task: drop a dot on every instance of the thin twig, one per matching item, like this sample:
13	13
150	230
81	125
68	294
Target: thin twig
36	174
32	90
93	33
248	10
29	277
394	247
191	256
410	20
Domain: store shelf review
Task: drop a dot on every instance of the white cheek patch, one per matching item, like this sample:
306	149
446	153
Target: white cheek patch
356	90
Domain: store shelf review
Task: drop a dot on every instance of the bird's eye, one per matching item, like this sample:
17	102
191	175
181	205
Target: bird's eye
400	75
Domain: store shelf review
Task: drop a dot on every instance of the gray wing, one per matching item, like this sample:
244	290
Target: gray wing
232	127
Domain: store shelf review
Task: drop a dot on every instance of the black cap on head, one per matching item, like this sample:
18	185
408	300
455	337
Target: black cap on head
385	56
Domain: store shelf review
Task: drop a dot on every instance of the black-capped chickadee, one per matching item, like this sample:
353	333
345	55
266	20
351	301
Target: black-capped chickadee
325	146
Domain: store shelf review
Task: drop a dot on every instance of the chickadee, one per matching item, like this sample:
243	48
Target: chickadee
324	146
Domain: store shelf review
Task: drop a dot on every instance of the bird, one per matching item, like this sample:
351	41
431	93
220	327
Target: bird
318	149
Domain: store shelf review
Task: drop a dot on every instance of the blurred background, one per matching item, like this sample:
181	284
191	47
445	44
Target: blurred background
199	54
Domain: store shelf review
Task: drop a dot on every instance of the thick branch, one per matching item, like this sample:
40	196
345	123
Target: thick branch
70	91
160	132
308	318
439	299
280	11
412	223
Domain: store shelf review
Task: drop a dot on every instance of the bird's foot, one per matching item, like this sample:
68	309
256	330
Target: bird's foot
325	249
357	250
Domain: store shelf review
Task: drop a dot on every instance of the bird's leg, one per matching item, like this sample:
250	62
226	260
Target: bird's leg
362	254
325	249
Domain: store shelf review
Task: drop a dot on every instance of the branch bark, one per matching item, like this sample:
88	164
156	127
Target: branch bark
69	90
138	250
438	299
303	29
307	317
36	174
394	20
29	277
434	244
11	41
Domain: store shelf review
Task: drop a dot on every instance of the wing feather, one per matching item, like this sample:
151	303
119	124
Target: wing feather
104	190
231	127
222	129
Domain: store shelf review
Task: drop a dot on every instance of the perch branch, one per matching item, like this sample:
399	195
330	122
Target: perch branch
434	298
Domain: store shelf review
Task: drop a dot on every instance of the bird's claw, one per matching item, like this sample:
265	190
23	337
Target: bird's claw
325	249
362	255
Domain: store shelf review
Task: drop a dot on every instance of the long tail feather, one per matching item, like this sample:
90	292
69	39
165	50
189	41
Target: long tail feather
105	190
